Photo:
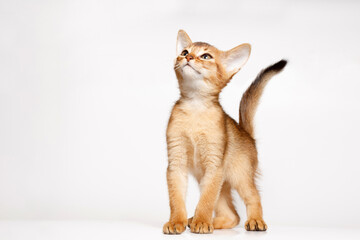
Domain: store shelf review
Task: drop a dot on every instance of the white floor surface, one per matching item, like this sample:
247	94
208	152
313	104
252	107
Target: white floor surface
49	230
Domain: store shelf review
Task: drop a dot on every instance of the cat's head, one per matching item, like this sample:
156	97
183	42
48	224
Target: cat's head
202	68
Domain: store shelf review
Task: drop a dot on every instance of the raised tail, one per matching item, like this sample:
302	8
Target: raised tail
251	97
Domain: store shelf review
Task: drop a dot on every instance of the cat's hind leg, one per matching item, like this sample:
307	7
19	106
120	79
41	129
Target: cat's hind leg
225	212
248	192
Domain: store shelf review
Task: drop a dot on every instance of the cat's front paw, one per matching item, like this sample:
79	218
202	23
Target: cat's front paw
199	226
253	224
174	227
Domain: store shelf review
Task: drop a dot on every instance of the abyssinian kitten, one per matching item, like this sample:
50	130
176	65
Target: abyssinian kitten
204	141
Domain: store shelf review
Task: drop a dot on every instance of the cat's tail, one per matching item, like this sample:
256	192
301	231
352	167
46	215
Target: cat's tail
251	97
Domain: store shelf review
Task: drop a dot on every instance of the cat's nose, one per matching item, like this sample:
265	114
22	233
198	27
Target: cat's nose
189	57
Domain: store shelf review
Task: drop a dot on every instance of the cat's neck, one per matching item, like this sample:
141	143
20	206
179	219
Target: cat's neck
199	100
196	92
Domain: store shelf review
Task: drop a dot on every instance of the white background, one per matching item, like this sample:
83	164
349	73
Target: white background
86	88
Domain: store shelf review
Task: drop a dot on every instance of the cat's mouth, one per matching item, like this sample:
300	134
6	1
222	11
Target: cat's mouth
188	65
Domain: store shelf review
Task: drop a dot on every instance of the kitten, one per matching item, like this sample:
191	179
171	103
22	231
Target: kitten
204	141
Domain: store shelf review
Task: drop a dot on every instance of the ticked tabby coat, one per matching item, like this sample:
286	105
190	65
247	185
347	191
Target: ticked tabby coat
204	141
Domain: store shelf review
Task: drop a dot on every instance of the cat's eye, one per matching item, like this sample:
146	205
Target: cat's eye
206	56
184	53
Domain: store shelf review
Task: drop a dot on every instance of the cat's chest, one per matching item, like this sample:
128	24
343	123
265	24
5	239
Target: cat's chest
199	120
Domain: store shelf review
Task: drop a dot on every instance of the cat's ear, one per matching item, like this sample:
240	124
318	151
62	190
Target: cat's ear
235	58
183	41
